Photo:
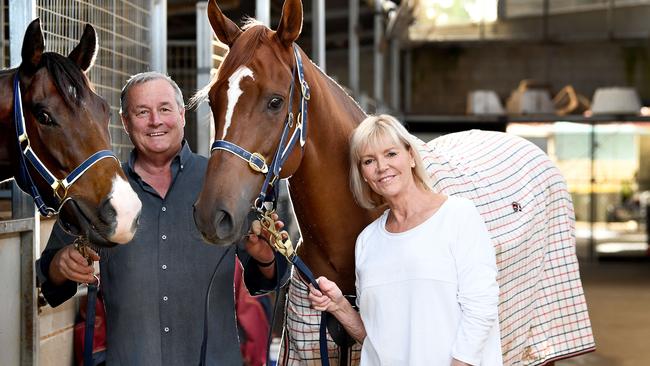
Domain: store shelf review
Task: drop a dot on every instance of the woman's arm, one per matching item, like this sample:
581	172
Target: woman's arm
330	299
478	291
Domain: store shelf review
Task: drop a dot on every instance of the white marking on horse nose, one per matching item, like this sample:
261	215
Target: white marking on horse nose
127	207
234	91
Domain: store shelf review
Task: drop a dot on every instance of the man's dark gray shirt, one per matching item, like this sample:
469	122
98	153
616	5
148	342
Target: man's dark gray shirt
154	287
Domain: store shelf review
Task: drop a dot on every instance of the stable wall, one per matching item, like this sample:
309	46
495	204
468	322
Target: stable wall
443	75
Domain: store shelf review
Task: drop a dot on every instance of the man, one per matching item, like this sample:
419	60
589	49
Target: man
154	287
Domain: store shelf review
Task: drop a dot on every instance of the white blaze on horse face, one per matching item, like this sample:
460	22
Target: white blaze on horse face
234	92
127	207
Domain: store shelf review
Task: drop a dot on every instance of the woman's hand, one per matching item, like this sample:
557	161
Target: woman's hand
455	362
329	298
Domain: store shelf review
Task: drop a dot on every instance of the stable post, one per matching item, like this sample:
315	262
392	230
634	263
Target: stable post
158	35
21	13
379	57
204	66
318	33
353	47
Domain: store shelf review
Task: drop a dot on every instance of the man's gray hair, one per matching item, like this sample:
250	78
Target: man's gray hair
144	77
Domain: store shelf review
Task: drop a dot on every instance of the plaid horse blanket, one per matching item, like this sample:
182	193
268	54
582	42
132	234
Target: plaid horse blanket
524	201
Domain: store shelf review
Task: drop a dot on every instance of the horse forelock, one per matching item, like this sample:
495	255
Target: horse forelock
69	80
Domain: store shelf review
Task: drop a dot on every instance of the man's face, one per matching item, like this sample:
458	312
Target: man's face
153	120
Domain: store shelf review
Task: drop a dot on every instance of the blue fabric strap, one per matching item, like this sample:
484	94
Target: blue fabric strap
322	339
255	160
89	331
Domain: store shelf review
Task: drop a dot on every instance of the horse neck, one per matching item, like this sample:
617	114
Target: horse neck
328	216
8	152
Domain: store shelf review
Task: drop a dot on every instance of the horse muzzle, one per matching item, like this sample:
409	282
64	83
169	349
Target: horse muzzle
100	225
219	226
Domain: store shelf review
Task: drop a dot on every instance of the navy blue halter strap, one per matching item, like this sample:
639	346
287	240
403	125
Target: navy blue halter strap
255	160
24	179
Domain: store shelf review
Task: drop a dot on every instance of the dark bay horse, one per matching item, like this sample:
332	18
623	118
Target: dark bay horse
519	192
54	141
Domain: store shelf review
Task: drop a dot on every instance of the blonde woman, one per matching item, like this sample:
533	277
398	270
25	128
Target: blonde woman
425	269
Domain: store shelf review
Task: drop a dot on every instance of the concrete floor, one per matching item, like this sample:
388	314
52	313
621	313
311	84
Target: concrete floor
618	296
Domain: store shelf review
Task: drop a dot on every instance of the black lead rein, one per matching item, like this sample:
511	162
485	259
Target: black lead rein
204	342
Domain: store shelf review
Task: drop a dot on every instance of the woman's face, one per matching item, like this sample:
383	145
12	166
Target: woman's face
387	167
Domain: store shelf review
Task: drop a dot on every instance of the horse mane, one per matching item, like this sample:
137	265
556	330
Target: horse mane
66	75
241	55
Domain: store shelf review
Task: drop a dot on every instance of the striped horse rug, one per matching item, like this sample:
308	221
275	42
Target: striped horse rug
524	201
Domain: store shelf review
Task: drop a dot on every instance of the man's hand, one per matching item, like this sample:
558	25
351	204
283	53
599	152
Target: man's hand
69	264
257	245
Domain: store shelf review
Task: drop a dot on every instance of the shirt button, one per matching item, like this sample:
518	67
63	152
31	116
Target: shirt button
164	237
164	208
165	298
164	266
166	329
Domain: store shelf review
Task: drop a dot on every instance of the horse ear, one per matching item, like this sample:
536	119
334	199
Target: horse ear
290	22
225	29
86	51
33	46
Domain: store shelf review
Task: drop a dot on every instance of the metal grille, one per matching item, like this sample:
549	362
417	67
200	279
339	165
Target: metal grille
123	30
181	66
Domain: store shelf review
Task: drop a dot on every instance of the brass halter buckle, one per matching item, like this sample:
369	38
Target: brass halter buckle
264	169
60	190
284	247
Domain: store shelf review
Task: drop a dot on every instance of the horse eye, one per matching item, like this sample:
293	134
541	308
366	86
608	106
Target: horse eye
45	119
275	103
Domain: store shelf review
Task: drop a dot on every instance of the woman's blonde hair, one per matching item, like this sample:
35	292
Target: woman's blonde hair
370	133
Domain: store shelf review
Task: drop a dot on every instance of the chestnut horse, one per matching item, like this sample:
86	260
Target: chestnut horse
54	141
259	91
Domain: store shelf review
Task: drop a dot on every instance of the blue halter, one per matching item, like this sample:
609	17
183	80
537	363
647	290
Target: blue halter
24	179
256	161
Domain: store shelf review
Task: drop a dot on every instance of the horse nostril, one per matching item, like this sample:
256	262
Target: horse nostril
107	213
136	222
224	224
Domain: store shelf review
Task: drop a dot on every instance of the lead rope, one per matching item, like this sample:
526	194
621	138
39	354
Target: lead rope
81	244
204	342
285	247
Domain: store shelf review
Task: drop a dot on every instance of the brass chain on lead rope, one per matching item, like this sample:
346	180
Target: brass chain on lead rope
284	246
82	245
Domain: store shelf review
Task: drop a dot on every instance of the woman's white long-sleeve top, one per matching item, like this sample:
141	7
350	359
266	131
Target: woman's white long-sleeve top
430	293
